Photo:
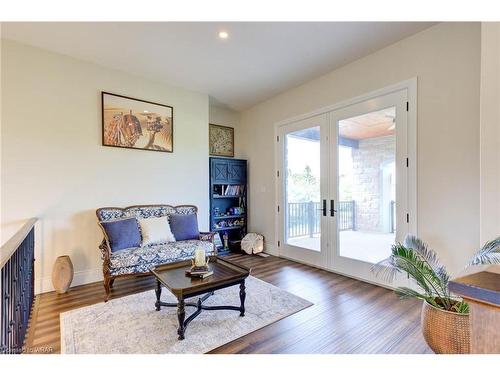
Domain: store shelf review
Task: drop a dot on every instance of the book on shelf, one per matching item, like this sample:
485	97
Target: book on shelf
218	241
232	190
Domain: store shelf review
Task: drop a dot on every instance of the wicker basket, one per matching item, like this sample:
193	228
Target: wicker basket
445	332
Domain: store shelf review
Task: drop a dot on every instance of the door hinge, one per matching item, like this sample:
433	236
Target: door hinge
407	106
278	208
279	244
407	218
407	163
277	138
277	173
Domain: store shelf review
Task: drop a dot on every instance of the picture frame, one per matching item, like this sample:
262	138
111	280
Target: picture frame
221	140
136	124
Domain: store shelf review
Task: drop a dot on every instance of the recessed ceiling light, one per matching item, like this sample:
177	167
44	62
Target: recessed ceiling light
223	34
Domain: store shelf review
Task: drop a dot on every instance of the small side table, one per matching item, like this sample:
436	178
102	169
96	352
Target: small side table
482	292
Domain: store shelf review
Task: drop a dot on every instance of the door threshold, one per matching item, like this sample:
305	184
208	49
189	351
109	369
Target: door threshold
337	272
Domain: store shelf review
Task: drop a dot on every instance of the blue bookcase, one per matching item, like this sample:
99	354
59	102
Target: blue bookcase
228	201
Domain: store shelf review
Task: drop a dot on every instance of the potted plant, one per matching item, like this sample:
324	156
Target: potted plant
445	317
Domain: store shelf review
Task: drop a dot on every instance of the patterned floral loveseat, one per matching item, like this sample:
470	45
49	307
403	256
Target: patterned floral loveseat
138	260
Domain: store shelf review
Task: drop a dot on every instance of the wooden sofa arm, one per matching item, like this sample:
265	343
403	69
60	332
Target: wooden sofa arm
105	252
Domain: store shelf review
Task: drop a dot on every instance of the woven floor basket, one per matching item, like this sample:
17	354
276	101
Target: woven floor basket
444	331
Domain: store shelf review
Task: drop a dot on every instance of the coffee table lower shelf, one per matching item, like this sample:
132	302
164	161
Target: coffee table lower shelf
225	274
181	311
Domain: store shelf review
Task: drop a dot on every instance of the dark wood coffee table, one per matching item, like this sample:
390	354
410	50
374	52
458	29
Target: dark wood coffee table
173	278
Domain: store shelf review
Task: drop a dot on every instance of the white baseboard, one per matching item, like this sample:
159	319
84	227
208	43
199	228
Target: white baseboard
44	284
271	250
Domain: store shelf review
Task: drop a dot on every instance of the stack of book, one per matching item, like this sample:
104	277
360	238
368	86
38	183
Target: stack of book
199	272
233	190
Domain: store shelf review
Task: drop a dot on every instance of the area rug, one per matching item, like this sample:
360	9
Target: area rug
132	325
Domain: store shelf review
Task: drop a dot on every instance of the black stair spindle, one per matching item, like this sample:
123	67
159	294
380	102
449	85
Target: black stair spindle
16	289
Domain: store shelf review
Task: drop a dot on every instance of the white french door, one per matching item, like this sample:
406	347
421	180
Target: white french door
368	182
303	192
343	197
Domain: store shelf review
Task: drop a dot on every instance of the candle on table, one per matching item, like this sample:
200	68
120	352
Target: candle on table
199	257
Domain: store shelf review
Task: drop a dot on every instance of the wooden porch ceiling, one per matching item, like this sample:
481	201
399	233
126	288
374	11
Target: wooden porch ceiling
369	125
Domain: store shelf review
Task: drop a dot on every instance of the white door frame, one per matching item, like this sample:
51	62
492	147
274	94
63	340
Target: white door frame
300	254
411	87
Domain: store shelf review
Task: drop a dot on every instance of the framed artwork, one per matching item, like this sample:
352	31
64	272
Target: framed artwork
221	140
135	123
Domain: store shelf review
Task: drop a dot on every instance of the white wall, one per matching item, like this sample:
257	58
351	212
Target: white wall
446	60
55	168
490	133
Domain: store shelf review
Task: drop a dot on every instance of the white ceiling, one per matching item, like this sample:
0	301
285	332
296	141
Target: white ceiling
258	61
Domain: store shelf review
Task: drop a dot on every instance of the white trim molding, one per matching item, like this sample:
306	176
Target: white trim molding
44	284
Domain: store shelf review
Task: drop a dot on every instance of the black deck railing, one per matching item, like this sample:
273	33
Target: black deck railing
17	288
347	215
304	218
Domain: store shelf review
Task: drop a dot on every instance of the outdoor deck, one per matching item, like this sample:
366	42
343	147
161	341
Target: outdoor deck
366	246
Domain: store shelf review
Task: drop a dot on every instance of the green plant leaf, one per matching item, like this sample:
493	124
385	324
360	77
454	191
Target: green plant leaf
461	307
419	270
488	254
422	266
407	293
385	269
431	258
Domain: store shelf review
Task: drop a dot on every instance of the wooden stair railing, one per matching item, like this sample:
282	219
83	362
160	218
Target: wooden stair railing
17	277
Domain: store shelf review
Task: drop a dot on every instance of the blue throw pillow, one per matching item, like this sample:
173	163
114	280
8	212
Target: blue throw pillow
122	234
184	227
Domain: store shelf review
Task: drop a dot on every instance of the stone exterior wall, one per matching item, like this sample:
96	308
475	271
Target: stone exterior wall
368	161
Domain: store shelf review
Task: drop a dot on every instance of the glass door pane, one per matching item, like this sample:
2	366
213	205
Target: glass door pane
367	185
302	193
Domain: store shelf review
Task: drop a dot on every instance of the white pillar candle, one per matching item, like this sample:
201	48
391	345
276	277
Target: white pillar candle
199	257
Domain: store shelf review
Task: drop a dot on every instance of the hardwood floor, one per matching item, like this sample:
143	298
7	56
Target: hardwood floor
348	316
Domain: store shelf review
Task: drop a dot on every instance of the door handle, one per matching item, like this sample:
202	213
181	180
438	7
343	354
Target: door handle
323	208
332	208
